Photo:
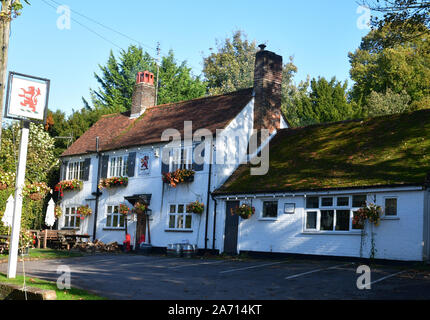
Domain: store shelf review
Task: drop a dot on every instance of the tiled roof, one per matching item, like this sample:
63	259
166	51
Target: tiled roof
119	131
384	151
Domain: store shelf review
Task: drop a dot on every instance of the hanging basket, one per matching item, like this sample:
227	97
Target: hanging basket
140	207
245	211
36	196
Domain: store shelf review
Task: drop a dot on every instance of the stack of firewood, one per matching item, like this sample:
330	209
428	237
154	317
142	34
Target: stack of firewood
97	246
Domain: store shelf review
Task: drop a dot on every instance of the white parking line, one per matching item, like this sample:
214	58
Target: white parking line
195	264
252	267
316	270
150	261
389	276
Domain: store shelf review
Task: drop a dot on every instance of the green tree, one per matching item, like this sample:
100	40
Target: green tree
232	67
118	77
387	103
377	66
62	127
319	101
40	156
41	163
404	14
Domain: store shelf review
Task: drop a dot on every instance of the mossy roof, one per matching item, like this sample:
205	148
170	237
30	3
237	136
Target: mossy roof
383	151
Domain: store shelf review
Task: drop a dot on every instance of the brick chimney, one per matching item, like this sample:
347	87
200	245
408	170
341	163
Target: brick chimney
267	90
143	93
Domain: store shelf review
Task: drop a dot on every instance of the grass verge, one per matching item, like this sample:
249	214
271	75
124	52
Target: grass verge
35	254
69	294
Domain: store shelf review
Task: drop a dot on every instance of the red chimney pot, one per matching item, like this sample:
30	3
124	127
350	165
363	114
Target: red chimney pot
146	77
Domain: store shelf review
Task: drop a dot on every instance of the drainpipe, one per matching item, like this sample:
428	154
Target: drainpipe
213	236
97	193
208	199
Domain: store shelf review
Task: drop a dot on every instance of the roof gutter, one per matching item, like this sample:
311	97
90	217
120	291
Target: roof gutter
298	192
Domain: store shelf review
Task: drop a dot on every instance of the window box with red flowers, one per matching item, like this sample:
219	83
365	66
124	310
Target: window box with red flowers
179	176
196	207
113	182
68	185
84	211
244	211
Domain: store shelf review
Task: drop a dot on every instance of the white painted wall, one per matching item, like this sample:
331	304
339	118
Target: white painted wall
398	239
164	195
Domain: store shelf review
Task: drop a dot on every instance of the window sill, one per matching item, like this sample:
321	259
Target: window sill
113	229
347	233
179	230
267	219
390	218
69	228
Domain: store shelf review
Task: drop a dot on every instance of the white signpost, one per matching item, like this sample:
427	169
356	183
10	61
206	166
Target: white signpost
26	100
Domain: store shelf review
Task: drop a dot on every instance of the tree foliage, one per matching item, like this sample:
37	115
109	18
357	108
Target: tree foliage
405	15
387	103
232	67
40	155
377	66
41	164
118	76
319	101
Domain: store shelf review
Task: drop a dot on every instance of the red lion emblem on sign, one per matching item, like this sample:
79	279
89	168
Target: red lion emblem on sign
30	97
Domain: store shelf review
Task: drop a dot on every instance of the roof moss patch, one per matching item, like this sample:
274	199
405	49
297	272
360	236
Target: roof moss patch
386	150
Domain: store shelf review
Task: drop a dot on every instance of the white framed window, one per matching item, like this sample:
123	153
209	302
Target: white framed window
270	209
71	218
114	219
118	166
390	206
178	218
332	213
75	170
181	158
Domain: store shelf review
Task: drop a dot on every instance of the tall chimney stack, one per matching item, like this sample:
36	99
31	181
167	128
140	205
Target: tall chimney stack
143	93
267	90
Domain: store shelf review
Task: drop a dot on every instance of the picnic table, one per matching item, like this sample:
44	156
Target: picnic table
72	239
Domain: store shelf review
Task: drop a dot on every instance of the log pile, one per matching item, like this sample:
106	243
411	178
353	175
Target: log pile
97	246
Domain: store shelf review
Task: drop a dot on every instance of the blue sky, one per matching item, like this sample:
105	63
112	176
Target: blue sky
317	33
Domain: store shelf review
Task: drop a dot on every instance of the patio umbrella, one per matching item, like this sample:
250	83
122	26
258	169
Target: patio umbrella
8	212
50	213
